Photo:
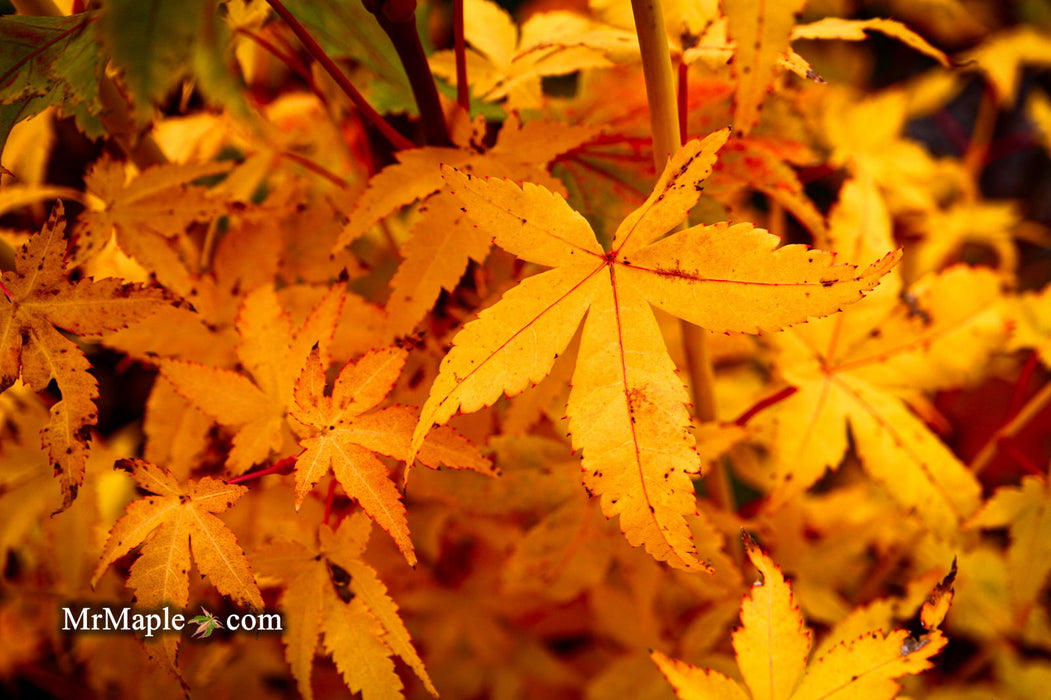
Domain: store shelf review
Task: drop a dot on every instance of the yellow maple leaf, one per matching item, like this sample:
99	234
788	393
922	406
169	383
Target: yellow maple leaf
1025	511
684	20
29	491
747	164
333	594
521	151
246	258
761	32
171	523
38	302
627	405
773	643
345	435
867	135
855	30
273	354
947	232
1002	57
860	368
505	65
1032	311
442	242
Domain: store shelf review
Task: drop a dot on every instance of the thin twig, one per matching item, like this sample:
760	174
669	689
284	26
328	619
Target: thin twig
764	404
463	94
1018	397
318	54
398	19
982	133
315	168
684	97
329	500
1033	407
211	238
281	466
289	59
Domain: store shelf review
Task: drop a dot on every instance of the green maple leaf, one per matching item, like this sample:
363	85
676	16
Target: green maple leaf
47	61
157	44
206	624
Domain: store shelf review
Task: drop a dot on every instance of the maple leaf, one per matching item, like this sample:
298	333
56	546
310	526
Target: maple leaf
30	493
773	643
206	624
924	604
856	30
758	37
156	45
627	406
866	133
168	525
247	257
333	594
504	64
442	241
1033	330
38	302
50	61
747	164
861	366
149	215
762	35
347	434
948	231
1025	511
521	151
1003	56
273	355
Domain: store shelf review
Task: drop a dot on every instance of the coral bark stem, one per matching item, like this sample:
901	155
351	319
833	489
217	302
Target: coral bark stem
661	93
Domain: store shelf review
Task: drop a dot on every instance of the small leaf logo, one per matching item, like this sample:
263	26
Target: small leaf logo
206	624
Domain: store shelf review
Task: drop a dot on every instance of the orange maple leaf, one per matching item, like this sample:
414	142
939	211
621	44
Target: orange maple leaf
627	405
346	434
273	354
773	642
148	214
333	594
171	523
39	301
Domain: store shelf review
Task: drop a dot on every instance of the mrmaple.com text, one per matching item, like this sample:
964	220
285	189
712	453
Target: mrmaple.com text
126	619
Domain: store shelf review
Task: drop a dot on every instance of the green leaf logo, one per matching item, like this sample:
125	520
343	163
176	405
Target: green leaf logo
206	624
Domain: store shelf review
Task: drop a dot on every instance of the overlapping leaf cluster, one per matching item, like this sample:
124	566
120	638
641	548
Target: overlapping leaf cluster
268	308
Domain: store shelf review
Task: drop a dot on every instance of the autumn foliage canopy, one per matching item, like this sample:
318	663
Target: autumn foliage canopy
597	349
